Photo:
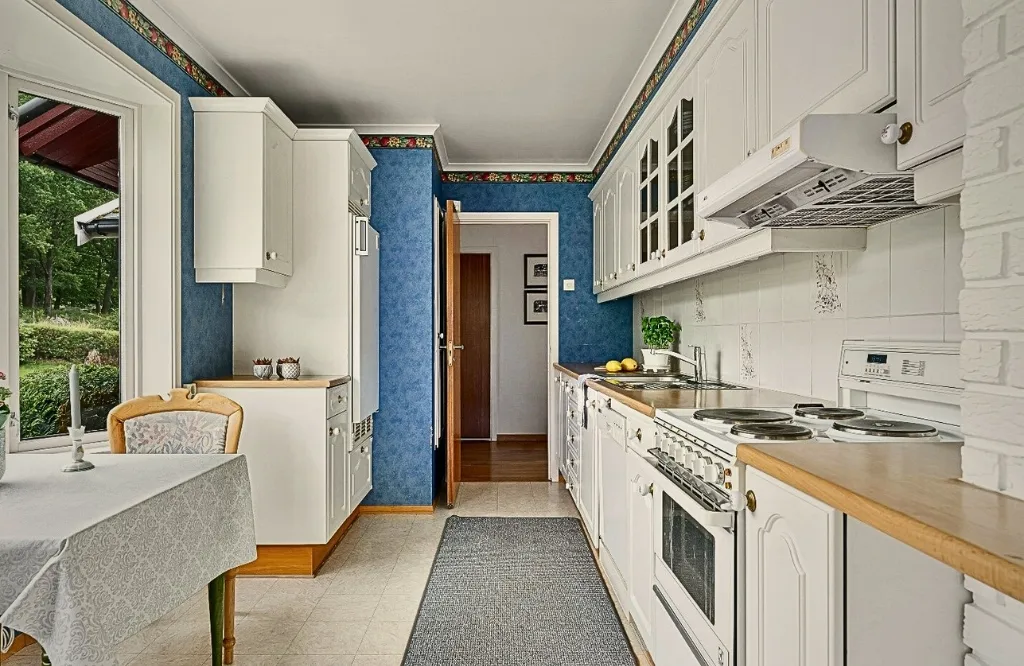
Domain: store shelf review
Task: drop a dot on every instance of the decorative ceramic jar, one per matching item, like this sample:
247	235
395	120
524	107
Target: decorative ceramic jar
288	368
263	370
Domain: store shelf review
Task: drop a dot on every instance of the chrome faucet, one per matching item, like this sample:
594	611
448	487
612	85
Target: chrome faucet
697	361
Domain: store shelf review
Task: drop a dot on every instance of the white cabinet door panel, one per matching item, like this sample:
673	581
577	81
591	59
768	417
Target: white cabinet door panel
598	242
930	78
610	236
641	543
825	56
337	477
277	222
794	577
625	182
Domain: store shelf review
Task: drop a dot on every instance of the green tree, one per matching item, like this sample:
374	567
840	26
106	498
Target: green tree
51	264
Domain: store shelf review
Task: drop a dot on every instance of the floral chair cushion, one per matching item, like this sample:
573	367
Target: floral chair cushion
176	432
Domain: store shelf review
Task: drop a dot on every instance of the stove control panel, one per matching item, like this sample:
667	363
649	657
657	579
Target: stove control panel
702	461
935	365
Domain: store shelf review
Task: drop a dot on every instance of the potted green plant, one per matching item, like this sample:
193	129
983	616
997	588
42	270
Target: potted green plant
5	410
658	333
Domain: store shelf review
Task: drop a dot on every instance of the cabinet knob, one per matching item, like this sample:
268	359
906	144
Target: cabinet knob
645	490
364	202
751	501
271	255
568	485
333	432
363	449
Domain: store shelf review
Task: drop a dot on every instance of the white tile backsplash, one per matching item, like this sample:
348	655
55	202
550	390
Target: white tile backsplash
779	322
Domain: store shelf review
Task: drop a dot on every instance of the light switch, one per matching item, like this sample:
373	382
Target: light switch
569	285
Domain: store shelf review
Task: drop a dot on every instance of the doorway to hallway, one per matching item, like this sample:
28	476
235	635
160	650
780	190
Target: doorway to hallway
476	338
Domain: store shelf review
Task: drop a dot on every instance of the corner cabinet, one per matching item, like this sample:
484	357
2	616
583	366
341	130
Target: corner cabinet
243	191
794	576
825	56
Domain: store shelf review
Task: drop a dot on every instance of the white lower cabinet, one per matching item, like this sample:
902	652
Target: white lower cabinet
614	496
794	573
297	443
640	579
588	479
360	466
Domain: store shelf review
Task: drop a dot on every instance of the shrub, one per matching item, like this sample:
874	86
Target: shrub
45	408
27	343
70	343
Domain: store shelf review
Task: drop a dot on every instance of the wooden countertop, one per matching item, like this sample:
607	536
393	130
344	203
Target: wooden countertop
648	402
911	492
248	381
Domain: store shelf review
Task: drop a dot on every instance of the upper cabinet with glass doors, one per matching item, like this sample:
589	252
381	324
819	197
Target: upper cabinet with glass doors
679	237
649	194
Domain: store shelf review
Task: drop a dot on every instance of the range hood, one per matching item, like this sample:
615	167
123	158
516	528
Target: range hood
828	170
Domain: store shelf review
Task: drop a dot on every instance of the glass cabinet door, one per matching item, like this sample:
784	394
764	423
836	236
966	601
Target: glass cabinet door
680	196
649	178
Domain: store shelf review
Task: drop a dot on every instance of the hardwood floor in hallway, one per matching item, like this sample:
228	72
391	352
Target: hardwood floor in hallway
508	459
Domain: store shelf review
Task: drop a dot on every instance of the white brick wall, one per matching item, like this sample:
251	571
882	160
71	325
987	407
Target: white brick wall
992	301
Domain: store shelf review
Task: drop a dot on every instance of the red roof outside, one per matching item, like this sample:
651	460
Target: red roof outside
79	141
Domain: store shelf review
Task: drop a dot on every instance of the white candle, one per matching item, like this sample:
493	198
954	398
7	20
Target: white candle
76	400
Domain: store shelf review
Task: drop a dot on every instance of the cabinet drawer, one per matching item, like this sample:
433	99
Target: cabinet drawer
572	444
337	400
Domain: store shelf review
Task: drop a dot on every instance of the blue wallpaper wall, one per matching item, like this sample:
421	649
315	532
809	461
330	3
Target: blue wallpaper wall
587	331
403	454
206	323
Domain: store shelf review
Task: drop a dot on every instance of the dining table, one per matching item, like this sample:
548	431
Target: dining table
88	559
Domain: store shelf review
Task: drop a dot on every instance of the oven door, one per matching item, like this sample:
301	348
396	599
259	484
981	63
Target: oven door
695	568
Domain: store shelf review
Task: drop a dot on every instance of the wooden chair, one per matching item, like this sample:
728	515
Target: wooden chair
185	423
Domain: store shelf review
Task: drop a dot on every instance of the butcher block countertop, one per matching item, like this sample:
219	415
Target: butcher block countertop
647	402
911	492
248	381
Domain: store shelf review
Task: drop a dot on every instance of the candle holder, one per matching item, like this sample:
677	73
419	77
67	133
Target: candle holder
78	462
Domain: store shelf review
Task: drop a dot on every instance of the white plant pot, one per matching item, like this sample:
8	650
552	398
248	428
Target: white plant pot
654	361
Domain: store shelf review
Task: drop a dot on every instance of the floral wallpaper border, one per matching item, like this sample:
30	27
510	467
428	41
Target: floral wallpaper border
689	26
396	141
160	41
516	177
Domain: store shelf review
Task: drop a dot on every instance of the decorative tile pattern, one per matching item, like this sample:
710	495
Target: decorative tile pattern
748	353
165	45
587	330
699	313
826	293
696	15
516	177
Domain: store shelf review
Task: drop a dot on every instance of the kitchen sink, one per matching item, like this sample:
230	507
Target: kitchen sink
670	383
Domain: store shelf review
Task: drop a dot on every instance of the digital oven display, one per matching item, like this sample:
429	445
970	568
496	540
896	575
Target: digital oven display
877	358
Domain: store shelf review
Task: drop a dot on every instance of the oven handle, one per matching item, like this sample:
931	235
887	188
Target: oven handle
723	518
697	652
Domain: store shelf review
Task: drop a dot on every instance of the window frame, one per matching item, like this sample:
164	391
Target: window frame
127	266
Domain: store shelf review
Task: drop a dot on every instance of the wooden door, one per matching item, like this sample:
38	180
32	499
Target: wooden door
794	577
476	336
453	320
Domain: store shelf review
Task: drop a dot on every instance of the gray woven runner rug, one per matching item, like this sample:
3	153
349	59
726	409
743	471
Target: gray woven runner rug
516	592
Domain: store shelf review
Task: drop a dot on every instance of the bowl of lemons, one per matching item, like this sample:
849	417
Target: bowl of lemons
625	365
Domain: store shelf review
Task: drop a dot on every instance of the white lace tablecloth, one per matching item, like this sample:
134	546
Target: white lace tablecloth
87	559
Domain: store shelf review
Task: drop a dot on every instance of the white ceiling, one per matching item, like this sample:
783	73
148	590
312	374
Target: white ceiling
522	82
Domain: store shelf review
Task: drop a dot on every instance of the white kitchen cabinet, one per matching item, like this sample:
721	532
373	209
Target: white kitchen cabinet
588	479
610	236
598	242
640	578
794	576
930	79
243	191
359	187
680	145
614	495
626	188
295	440
360	467
823	56
649	181
727	108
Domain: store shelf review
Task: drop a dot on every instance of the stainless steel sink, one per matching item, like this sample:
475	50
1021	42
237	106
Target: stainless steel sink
667	382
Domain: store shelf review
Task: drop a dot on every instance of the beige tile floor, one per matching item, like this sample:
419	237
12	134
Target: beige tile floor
358	611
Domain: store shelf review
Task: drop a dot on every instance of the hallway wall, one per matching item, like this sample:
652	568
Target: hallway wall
522	350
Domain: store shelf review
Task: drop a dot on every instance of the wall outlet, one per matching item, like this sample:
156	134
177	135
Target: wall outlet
568	285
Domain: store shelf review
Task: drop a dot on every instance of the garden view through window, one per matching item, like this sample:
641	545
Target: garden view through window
69	261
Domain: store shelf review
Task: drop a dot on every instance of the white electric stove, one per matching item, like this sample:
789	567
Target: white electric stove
888	392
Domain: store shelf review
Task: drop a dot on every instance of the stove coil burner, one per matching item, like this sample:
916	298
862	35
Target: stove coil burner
734	416
883	428
828	413
771	432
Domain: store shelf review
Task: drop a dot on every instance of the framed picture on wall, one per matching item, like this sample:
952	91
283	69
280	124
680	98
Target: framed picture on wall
535	308
535	271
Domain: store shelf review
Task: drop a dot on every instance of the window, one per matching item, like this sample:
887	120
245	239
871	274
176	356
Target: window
67	300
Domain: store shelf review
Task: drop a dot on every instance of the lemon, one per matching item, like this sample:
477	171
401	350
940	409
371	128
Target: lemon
629	364
613	366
